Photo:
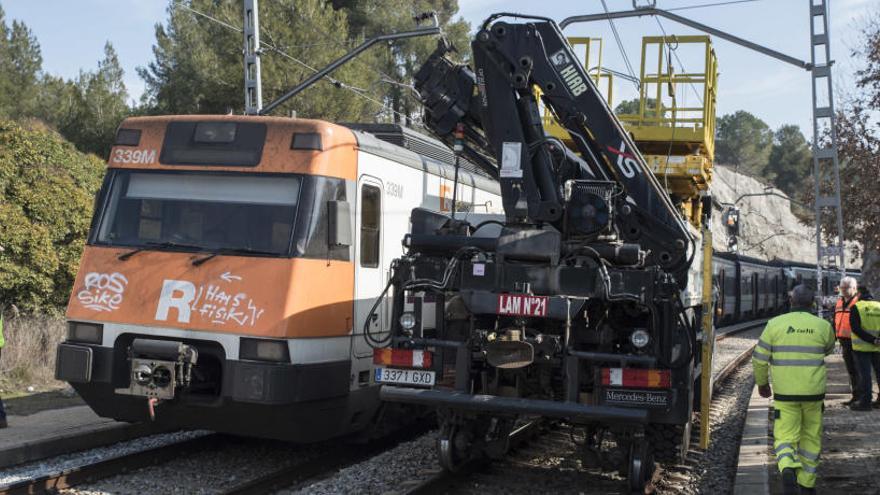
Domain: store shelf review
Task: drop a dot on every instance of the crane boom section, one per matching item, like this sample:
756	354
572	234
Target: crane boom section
497	103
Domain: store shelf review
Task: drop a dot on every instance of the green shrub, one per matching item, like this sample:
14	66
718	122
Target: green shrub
46	196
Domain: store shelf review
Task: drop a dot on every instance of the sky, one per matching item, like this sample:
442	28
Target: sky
72	35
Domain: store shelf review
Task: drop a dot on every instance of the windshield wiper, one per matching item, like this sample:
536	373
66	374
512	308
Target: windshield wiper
154	245
242	250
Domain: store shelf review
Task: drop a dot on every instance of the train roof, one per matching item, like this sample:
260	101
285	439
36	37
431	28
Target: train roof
330	154
777	262
418	150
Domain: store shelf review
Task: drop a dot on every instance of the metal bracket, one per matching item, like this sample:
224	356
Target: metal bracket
317	76
642	11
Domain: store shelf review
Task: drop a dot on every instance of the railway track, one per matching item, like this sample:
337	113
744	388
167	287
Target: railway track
446	482
110	466
296	475
291	475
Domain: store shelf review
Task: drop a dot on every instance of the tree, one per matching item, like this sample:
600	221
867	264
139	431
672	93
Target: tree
744	141
47	188
397	65
98	103
631	107
790	160
20	67
198	62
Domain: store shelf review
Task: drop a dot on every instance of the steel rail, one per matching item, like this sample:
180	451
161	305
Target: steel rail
299	475
443	481
731	330
67	478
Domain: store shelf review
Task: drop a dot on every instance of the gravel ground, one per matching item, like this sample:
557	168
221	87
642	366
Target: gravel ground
382	473
68	461
236	461
714	470
733	346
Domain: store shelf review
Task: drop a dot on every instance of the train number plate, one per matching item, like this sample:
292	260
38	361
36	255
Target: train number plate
405	377
522	305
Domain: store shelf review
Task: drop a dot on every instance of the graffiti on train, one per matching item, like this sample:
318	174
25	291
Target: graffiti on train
212	302
102	291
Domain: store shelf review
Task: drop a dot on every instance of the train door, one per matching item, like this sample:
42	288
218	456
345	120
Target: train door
755	294
369	277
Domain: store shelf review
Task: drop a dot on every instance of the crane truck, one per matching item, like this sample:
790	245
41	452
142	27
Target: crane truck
580	303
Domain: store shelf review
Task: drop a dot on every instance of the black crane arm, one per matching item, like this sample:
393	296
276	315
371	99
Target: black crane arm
497	104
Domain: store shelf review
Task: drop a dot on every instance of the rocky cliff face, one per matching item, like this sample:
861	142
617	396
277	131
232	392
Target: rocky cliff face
768	228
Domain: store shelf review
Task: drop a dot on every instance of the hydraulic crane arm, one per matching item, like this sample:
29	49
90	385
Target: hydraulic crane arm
497	103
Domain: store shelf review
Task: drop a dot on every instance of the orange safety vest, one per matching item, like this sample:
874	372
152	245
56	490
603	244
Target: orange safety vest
841	317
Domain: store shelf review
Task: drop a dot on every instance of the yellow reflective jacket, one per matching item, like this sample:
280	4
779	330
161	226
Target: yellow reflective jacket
869	321
2	340
792	351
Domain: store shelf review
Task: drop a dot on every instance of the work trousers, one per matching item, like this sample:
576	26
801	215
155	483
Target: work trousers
797	438
864	362
849	361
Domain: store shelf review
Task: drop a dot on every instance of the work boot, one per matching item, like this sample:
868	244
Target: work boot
3	423
858	406
807	491
789	482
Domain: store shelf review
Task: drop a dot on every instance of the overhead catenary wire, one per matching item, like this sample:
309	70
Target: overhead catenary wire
620	47
382	75
336	82
705	5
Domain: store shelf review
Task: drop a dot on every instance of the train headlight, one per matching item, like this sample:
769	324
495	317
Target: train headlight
639	338
407	321
90	333
264	350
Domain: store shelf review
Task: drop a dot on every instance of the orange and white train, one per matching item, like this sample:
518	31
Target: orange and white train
231	265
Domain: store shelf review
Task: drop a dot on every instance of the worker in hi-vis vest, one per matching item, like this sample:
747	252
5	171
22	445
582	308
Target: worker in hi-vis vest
864	319
792	351
2	343
849	296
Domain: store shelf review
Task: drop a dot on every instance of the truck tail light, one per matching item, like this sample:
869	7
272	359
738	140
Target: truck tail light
406	358
636	378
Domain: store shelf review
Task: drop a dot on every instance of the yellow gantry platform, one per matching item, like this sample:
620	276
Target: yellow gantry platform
674	125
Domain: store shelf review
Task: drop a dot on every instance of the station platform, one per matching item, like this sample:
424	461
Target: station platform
52	432
850	459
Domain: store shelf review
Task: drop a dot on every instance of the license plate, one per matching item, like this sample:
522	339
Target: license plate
522	305
405	377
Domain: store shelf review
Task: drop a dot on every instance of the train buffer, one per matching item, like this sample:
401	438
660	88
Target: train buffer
850	451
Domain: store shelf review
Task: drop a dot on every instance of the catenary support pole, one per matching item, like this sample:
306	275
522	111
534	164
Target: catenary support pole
253	85
708	337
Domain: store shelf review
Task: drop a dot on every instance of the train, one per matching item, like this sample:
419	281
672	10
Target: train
749	288
232	263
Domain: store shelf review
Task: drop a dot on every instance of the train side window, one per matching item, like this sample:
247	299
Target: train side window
371	208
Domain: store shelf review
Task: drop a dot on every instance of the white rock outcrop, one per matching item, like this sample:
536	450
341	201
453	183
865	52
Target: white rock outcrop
768	228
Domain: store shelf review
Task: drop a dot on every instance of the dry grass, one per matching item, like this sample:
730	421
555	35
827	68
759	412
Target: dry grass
28	358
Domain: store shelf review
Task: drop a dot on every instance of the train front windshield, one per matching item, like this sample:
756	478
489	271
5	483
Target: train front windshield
200	211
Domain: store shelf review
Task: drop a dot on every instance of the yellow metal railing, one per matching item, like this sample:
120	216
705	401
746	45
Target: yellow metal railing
677	139
661	119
